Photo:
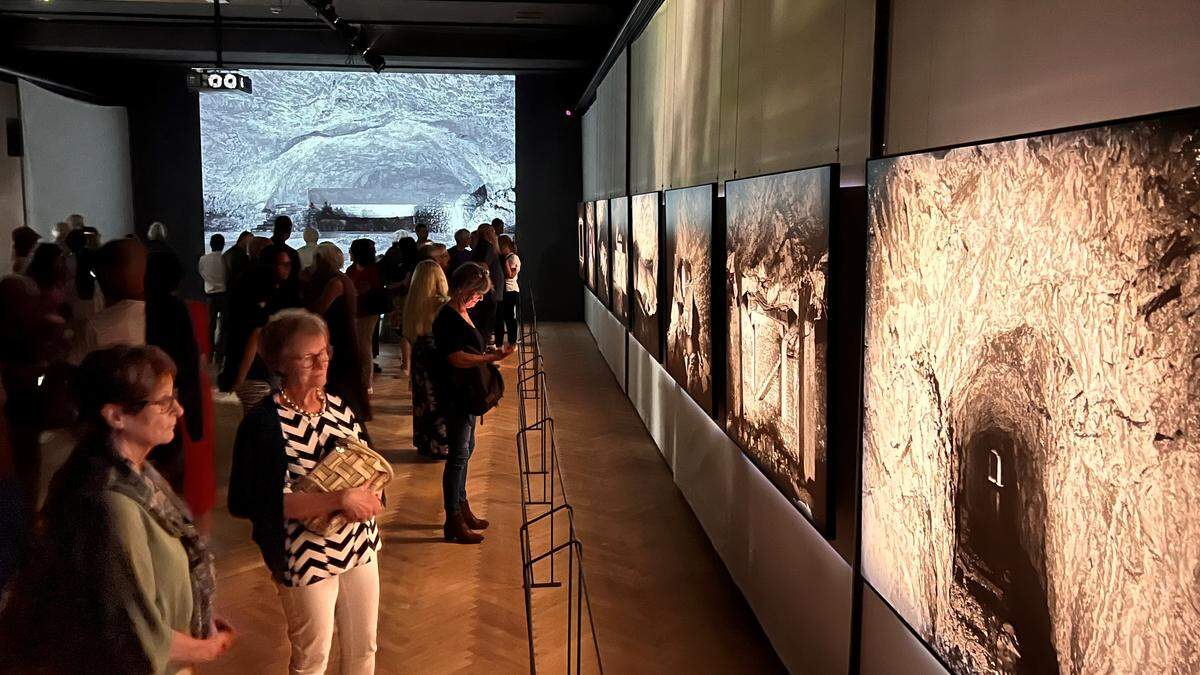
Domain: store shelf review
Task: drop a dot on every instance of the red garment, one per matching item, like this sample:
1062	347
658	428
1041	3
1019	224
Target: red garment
199	475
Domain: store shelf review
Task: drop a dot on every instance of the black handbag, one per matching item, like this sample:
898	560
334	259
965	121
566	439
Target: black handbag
480	387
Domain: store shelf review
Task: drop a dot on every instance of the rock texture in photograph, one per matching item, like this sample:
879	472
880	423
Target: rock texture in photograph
777	261
688	245
644	320
1031	449
619	221
603	257
353	152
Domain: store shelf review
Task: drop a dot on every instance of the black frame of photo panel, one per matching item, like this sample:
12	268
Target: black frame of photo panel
860	576
624	316
714	408
823	521
655	350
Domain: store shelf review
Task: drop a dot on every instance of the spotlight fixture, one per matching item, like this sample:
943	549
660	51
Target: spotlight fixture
355	36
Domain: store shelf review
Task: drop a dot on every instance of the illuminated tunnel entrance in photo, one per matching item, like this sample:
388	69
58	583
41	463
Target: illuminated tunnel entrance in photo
1000	506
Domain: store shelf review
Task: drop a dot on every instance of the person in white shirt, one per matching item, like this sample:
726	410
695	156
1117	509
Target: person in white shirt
212	270
311	236
121	273
507	321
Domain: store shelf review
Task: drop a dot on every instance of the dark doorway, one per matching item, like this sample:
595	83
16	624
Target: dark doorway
993	560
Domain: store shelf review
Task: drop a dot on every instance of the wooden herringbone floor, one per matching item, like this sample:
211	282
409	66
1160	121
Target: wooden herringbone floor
662	599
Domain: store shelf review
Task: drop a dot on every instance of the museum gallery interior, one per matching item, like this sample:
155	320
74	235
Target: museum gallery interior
850	336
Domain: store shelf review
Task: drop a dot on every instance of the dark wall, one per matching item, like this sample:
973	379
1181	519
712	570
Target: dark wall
549	157
164	142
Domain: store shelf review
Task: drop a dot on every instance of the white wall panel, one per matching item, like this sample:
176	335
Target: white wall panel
971	70
12	200
888	646
651	72
789	84
608	333
654	395
695	92
76	161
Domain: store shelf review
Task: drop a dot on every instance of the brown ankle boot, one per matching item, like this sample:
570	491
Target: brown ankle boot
464	507
456	530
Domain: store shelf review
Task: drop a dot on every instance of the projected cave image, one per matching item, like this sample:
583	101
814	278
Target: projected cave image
360	154
1031	461
644	321
618	216
603	259
777	261
688	255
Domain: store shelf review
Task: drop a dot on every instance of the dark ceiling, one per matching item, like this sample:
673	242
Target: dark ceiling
444	35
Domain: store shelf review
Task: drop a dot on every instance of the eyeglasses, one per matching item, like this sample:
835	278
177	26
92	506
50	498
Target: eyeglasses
315	359
164	404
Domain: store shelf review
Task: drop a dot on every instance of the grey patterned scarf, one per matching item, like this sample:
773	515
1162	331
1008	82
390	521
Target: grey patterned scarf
152	492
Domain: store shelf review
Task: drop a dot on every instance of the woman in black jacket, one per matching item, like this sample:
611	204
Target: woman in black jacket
460	348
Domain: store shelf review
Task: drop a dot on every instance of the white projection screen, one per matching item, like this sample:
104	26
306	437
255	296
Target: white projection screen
76	161
360	155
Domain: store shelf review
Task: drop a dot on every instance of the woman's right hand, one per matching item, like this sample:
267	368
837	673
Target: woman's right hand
501	354
360	503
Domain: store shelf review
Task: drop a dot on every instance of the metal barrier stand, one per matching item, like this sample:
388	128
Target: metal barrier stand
544	503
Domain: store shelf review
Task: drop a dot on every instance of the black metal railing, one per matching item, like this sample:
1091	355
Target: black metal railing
547	530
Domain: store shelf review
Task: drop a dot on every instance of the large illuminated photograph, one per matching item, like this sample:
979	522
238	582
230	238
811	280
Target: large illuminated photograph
603	259
644	320
1031	442
777	261
589	225
618	217
688	256
358	154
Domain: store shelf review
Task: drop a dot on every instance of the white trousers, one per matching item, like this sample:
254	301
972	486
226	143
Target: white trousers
350	601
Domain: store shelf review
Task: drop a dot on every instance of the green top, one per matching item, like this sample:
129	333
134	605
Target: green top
157	597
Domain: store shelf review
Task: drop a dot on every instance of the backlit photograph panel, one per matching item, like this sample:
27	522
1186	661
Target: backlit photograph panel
1031	468
688	253
777	261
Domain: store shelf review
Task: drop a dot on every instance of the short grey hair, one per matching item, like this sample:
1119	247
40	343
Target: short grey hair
157	232
284	326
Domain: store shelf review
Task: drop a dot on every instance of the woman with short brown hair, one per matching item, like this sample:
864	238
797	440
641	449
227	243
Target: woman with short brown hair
120	578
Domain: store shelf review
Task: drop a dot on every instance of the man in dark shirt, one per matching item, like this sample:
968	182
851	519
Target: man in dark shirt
487	253
237	260
461	251
279	237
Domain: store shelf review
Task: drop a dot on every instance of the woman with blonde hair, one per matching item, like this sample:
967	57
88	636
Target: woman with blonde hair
427	293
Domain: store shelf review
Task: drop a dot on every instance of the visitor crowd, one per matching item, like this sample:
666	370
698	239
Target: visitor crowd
98	348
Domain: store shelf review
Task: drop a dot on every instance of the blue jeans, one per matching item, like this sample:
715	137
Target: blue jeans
460	432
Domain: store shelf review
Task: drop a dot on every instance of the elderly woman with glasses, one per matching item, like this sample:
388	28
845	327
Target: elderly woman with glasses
324	581
119	578
460	347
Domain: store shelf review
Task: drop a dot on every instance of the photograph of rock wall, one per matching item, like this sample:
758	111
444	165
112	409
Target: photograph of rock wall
618	216
777	262
1031	438
581	241
603	259
644	320
589	252
688	255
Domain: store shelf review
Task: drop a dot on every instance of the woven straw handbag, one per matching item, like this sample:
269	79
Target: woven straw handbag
348	464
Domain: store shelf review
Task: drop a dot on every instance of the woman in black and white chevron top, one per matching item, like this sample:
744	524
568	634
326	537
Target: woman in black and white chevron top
323	581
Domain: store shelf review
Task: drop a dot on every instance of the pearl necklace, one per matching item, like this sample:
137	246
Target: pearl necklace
287	401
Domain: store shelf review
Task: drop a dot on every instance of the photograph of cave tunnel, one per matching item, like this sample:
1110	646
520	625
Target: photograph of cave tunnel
639	336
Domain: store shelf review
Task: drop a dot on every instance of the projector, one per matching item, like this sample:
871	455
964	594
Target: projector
207	79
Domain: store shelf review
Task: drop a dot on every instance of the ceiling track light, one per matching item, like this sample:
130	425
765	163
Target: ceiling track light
355	36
